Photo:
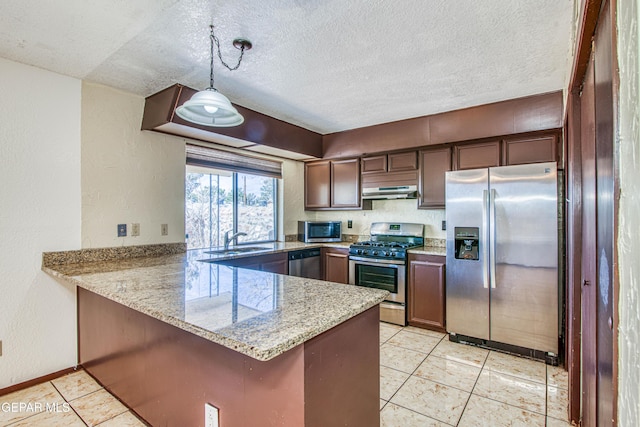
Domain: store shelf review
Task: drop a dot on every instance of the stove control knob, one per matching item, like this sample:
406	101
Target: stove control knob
393	253
387	253
374	253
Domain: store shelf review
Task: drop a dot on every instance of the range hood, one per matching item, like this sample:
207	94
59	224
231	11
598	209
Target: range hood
388	193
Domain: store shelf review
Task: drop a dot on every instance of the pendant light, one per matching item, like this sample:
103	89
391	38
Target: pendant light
209	107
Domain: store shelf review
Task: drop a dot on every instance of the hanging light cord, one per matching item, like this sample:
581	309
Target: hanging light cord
215	40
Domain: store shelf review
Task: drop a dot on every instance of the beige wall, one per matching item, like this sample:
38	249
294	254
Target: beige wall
628	16
128	176
39	211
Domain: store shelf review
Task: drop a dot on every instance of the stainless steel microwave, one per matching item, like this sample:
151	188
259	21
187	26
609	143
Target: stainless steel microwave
319	231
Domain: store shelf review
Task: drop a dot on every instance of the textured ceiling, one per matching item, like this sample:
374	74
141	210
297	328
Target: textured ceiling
326	65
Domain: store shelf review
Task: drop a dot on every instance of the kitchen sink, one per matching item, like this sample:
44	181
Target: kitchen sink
237	250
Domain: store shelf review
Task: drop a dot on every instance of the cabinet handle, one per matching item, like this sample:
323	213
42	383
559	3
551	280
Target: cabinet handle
586	283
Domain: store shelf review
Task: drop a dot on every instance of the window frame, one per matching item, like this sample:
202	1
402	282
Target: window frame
235	208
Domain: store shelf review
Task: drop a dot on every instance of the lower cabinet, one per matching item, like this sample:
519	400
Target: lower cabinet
335	264
272	263
426	299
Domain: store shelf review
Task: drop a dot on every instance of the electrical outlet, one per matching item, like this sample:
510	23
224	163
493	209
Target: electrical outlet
210	416
349	223
135	229
444	225
164	229
122	230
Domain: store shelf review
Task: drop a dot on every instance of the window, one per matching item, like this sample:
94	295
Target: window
218	201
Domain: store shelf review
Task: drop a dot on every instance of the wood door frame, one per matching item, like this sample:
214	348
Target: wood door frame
590	12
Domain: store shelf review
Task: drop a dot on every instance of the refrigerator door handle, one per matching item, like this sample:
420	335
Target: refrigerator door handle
485	245
492	237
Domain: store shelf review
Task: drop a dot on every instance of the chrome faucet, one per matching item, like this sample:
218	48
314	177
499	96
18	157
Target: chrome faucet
228	240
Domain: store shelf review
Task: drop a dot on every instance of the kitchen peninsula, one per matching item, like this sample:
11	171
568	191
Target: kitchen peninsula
170	333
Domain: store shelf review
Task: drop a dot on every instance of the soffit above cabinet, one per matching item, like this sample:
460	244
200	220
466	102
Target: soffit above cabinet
259	133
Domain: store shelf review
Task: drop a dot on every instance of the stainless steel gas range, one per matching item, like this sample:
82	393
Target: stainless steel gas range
381	263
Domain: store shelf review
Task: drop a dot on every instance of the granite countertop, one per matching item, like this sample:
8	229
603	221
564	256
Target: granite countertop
256	313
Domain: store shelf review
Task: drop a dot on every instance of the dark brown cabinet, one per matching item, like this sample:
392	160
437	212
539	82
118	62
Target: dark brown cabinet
536	149
395	162
431	184
402	161
317	189
476	155
375	164
426	299
333	184
335	264
273	263
345	183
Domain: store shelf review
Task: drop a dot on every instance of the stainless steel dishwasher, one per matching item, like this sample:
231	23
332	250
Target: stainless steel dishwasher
305	263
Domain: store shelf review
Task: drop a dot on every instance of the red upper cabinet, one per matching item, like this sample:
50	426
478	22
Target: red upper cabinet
532	149
476	155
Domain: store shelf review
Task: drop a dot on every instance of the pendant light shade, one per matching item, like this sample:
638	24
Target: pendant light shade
210	108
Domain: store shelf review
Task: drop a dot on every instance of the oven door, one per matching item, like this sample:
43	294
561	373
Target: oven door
389	275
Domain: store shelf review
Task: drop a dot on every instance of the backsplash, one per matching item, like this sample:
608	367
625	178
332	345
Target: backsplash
352	238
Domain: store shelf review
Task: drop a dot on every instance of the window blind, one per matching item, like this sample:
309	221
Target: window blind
218	159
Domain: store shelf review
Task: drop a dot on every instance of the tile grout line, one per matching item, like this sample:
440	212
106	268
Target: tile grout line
72	408
473	388
412	374
508	404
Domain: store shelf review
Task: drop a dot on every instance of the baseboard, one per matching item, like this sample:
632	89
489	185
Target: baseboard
37	381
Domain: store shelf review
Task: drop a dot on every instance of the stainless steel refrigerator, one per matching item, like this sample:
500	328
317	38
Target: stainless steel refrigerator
502	255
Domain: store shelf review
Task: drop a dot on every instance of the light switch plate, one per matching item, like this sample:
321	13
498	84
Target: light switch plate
122	230
0	348
135	229
164	229
210	416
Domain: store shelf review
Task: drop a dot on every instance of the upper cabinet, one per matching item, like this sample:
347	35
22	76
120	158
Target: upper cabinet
333	184
533	149
345	183
512	150
476	155
317	185
431	185
396	162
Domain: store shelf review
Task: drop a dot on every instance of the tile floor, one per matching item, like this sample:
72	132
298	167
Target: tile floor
73	400
425	380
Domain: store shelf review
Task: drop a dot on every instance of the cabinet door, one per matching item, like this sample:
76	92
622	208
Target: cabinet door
518	151
374	164
277	263
335	263
279	267
345	183
317	185
474	156
431	184
403	161
426	301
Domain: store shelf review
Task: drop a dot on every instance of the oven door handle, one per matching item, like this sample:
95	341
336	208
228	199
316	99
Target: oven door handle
386	262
